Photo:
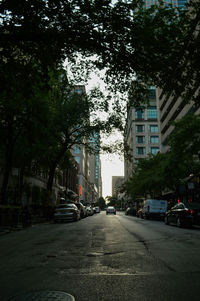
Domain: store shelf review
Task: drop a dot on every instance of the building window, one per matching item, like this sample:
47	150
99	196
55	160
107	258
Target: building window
140	150
153	150
77	150
153	139
140	139
153	128
152	113
140	128
139	114
152	91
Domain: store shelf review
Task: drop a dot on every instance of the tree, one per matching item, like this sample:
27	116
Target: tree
185	139
101	203
112	201
159	44
22	99
184	145
149	177
75	118
167	171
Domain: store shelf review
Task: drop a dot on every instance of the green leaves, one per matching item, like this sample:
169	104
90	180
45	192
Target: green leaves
166	171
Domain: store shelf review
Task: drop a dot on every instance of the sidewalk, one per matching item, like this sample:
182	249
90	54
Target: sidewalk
9	229
35	220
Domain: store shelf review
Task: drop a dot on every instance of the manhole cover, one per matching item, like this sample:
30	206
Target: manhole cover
43	296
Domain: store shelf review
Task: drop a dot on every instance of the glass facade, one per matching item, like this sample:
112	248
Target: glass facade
153	150
152	93
153	139
78	160
139	128
181	3
174	3
153	128
140	139
140	151
77	150
152	113
139	114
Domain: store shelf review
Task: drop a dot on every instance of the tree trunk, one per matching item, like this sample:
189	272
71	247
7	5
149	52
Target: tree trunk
7	169
52	170
53	166
21	182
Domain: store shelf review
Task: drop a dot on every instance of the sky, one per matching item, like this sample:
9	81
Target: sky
112	165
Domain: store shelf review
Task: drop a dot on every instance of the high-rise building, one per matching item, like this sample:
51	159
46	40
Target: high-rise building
89	174
173	3
117	182
142	132
95	166
173	108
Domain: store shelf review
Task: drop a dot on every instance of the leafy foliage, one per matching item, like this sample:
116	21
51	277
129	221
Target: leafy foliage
101	203
166	171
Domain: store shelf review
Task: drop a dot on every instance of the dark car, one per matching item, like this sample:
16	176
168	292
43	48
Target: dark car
82	209
130	211
183	214
139	213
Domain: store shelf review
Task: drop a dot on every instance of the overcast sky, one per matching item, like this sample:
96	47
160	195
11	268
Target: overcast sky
112	165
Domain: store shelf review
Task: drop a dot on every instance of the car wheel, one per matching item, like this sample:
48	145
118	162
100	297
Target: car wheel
166	220
179	223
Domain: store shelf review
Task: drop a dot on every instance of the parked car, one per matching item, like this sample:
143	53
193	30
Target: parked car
139	213
127	211
90	210
97	209
183	214
110	210
66	212
154	208
82	209
130	211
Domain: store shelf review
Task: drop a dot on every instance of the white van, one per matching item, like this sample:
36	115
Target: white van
154	208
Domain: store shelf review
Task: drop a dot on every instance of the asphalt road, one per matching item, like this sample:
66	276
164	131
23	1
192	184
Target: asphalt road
103	258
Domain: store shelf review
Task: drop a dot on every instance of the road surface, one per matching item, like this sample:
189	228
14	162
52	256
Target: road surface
118	258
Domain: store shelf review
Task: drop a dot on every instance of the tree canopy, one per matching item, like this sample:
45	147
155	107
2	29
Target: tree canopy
159	45
166	171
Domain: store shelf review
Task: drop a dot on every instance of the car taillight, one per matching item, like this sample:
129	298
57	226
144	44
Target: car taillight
189	211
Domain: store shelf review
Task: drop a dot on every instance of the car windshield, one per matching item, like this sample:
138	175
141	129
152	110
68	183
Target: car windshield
193	205
110	207
65	206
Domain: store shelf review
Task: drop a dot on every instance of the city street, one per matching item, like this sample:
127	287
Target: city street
103	258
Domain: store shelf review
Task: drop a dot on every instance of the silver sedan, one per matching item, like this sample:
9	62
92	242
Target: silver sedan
66	212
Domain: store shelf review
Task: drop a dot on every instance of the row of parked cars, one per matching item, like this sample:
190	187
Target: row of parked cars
182	214
73	212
